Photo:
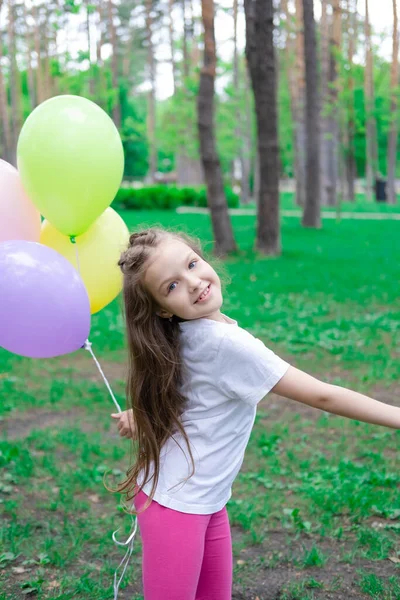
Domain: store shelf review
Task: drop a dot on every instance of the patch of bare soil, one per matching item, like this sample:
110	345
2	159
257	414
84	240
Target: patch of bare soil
83	366
21	425
256	578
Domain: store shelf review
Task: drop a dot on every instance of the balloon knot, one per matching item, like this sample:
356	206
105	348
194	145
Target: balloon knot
72	238
87	345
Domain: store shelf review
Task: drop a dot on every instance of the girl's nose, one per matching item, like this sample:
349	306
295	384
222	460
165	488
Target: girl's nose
194	283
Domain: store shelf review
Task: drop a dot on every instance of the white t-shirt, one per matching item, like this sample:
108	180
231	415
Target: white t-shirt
228	372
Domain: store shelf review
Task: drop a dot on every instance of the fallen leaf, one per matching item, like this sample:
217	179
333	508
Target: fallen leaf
94	498
18	570
241	562
394	559
54	584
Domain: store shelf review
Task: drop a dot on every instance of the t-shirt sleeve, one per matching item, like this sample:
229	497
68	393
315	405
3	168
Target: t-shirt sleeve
246	369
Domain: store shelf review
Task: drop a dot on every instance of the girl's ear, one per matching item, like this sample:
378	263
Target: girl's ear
164	314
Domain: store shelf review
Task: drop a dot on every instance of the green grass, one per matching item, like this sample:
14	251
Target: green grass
330	487
287	200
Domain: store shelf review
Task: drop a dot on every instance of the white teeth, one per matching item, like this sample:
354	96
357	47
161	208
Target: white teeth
204	293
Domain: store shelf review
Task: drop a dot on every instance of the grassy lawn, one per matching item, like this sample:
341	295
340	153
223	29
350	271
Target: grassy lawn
315	511
287	200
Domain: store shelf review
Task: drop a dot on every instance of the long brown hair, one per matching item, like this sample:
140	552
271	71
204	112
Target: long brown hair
155	371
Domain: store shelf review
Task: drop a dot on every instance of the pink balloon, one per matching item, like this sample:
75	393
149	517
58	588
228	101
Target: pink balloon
19	219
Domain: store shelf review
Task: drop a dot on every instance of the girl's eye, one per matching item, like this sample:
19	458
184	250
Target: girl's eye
170	288
193	262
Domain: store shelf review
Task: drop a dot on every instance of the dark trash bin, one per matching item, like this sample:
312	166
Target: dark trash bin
380	190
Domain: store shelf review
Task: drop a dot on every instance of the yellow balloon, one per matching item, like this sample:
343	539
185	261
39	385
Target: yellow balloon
98	252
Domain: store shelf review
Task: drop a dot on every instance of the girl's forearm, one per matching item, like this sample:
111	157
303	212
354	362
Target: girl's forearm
346	403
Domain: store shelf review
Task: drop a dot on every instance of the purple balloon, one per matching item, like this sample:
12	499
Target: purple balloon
44	305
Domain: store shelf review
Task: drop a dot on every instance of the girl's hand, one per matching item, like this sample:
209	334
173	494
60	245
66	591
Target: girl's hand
125	423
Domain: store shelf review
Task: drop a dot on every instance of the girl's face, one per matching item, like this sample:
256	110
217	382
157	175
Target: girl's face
182	283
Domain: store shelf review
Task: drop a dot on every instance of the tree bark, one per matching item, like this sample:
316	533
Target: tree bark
151	97
172	44
100	86
332	120
372	148
299	102
293	31
39	69
222	227
15	92
312	208
45	38
392	139
350	160
5	119
245	196
324	161
238	91
260	55
29	47
116	110
185	41
88	9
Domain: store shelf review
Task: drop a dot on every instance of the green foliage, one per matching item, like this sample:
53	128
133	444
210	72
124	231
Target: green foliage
176	122
162	197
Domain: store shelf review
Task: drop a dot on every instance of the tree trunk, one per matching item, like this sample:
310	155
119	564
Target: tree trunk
5	120
39	70
15	92
116	110
185	41
350	160
332	119
237	173
392	140
172	44
88	8
189	171
195	54
372	149
47	87
312	207
151	98
299	112
262	65
222	227
293	31
189	168
324	102
100	80
245	156
29	47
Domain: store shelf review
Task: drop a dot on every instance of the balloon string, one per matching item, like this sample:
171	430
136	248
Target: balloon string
125	561
88	345
73	241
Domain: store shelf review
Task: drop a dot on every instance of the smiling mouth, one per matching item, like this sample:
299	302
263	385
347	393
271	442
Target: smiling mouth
204	294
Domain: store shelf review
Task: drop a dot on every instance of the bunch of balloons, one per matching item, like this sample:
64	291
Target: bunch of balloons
56	273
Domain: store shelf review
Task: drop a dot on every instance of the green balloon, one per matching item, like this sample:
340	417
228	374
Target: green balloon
71	161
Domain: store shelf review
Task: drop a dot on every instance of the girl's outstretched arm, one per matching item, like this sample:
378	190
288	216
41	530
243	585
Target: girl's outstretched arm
300	386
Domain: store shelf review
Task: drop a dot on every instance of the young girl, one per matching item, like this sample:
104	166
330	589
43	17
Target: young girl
195	378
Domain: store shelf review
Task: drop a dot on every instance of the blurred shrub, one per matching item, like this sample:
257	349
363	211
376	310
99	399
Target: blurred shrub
162	197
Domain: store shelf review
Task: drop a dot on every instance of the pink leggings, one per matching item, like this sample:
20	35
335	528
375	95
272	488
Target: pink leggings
185	556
